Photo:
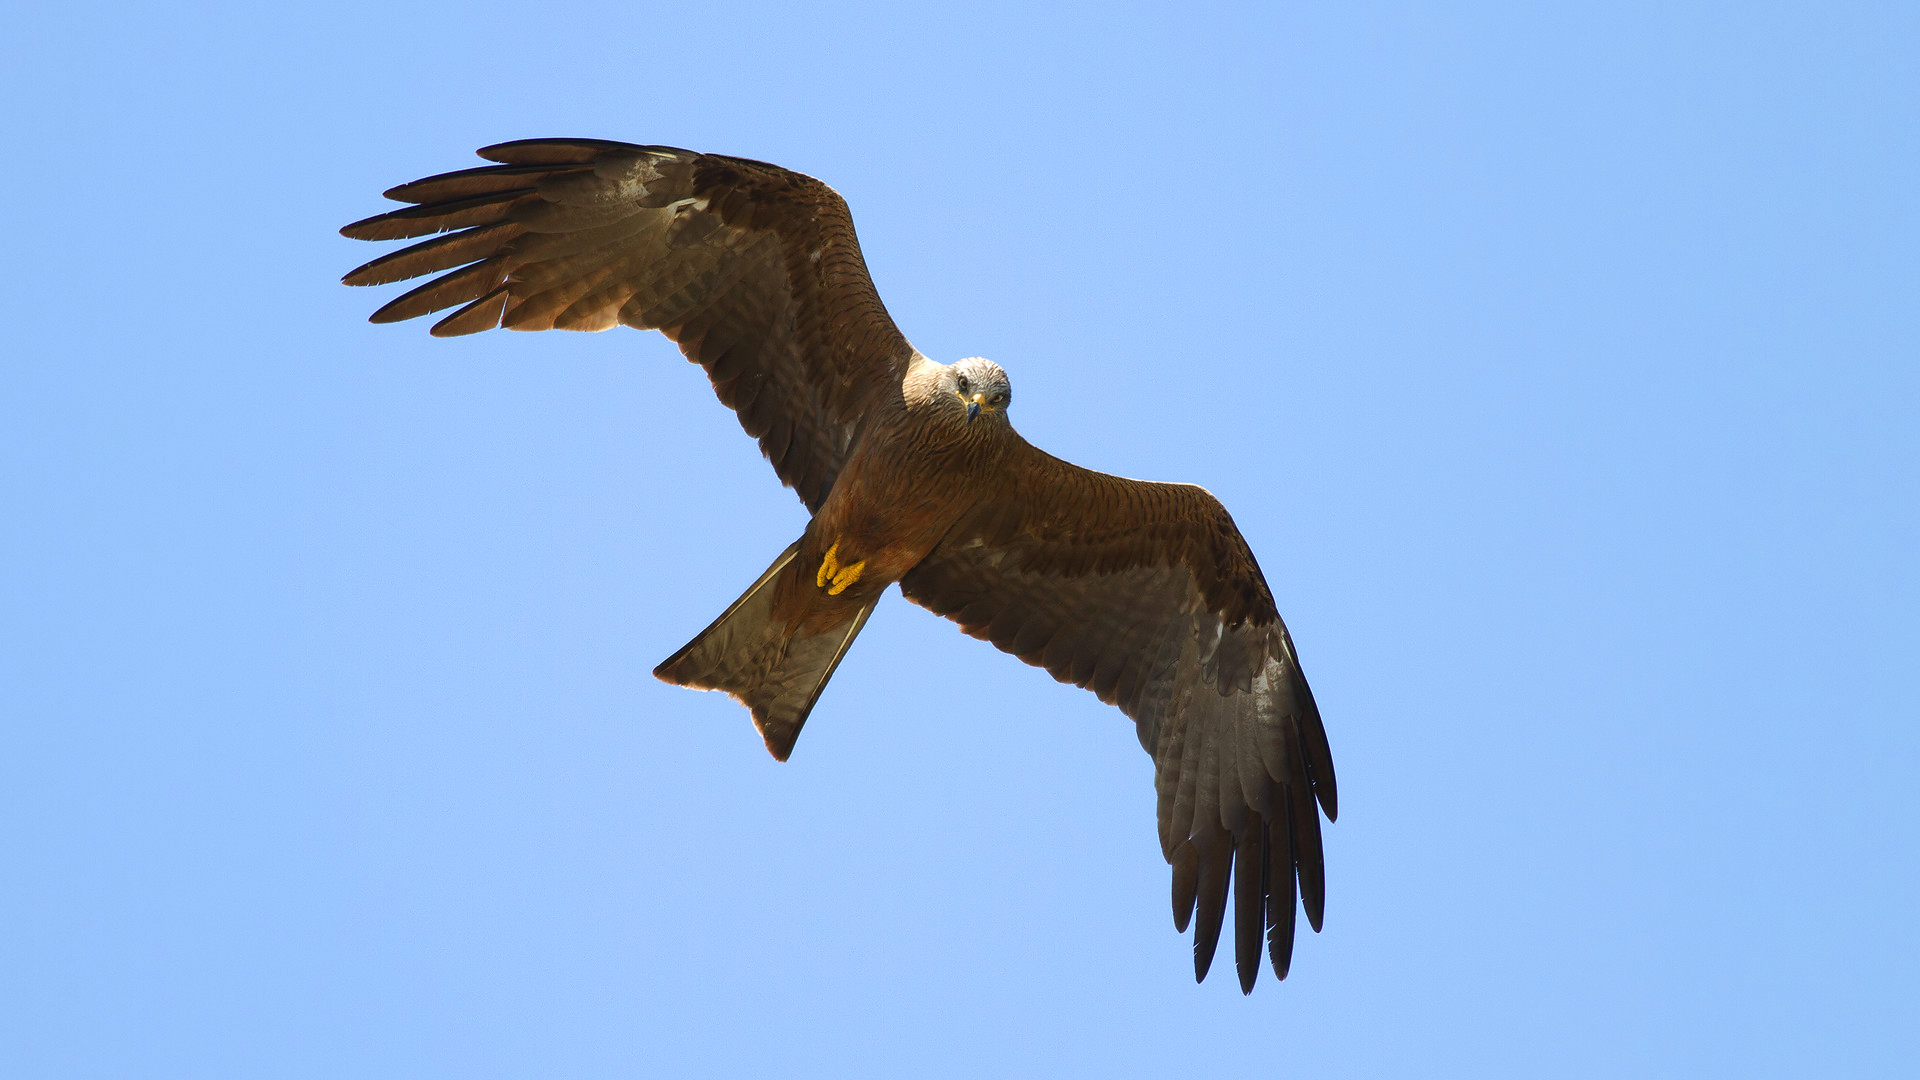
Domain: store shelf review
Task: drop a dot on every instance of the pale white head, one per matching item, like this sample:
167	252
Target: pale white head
980	387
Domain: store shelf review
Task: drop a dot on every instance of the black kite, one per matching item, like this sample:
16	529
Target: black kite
1144	593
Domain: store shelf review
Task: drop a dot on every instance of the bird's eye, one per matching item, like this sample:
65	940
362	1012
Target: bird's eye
963	384
1000	397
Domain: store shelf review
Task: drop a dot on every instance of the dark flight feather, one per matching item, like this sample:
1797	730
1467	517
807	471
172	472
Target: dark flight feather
467	183
445	253
437	217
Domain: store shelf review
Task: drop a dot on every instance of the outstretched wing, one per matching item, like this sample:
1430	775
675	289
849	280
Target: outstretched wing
752	269
1147	595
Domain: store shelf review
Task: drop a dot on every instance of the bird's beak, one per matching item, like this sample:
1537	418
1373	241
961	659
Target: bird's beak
973	406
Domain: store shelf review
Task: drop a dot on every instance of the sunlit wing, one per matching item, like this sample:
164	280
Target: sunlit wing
752	269
1147	595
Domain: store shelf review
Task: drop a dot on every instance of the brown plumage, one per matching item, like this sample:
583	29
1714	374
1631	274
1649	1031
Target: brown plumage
1144	593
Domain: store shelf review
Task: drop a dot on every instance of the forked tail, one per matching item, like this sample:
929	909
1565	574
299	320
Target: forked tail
749	654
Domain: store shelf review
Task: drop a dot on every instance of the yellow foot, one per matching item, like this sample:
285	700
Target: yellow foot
834	577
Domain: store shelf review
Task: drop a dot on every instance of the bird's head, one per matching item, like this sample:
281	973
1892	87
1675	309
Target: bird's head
979	387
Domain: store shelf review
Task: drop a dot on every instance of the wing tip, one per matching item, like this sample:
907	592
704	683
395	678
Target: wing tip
1186	882
364	229
481	314
562	151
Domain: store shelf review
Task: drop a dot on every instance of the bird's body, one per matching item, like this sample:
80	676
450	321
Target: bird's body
1144	593
909	478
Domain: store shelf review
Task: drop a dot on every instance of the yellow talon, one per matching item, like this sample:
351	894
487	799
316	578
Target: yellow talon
847	576
839	576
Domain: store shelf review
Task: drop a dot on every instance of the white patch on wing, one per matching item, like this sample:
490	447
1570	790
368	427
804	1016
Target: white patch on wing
629	175
1206	633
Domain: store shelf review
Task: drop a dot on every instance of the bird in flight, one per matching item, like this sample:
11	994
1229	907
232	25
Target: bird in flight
1144	593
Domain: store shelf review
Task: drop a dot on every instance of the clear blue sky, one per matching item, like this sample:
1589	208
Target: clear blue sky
1558	361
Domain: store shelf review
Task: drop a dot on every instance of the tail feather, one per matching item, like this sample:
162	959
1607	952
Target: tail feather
750	655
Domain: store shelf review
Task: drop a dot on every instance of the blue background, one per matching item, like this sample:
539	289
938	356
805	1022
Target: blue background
1557	360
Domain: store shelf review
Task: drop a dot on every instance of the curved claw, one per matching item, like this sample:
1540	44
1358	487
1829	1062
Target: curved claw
835	577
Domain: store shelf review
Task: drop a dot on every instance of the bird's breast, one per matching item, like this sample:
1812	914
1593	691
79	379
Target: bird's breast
890	506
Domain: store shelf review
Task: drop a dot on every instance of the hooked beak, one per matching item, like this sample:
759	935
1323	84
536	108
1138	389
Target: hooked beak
973	406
